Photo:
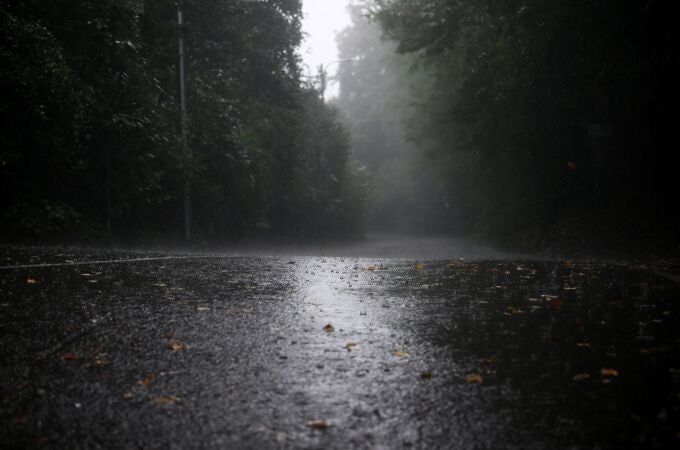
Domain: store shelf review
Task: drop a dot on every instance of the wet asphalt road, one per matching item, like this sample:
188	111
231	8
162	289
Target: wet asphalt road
235	352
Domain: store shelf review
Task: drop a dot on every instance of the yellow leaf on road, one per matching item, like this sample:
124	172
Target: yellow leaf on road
350	345
328	328
420	266
608	372
31	280
69	356
175	345
581	376
400	353
474	378
318	424
514	311
167	400
148	380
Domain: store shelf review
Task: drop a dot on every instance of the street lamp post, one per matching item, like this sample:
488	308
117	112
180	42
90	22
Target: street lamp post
323	75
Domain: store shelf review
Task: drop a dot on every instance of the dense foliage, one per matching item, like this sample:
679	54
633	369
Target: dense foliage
548	121
91	140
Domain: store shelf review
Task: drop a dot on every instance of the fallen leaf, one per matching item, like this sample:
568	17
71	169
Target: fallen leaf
148	380
400	353
608	372
350	345
581	376
420	266
167	400
328	328
474	378
175	345
514	311
202	308
69	356
371	268
425	374
318	424
31	280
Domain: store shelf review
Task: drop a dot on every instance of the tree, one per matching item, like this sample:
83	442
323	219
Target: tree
543	111
96	147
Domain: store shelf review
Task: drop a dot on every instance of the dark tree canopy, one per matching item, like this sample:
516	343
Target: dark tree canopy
91	135
547	121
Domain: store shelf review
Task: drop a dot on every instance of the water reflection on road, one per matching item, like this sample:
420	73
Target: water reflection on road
429	354
528	354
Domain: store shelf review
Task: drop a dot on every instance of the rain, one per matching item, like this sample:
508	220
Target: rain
339	224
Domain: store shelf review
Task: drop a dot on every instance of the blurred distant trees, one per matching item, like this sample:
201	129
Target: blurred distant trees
376	88
90	135
546	121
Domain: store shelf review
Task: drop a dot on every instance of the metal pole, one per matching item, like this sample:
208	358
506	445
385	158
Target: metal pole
185	144
323	76
322	82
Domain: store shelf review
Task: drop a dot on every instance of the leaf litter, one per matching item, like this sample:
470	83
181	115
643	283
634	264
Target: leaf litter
175	345
166	400
319	424
148	380
474	378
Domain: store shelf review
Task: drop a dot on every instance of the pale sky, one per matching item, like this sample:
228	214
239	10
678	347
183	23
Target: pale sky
322	20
